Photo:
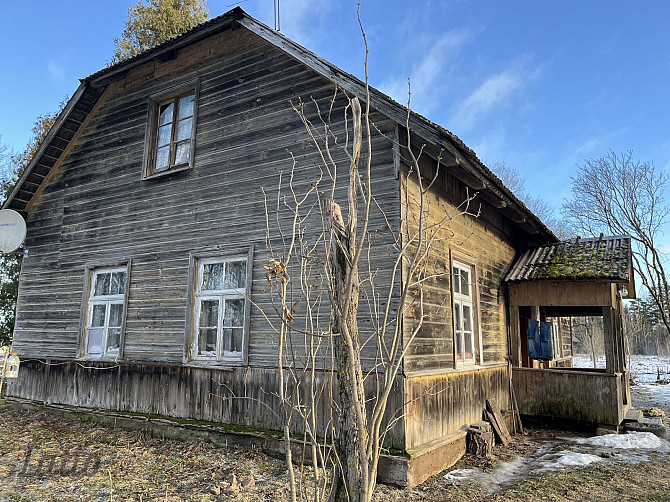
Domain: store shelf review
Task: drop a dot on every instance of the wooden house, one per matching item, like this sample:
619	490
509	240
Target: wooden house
143	287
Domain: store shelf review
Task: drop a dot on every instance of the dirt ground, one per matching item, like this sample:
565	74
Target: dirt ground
46	458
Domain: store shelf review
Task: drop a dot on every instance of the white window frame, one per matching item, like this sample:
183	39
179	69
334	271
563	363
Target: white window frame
106	300
199	295
461	300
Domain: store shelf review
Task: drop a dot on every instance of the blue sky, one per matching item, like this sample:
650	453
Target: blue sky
539	85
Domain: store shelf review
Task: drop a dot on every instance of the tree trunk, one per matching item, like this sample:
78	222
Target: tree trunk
350	480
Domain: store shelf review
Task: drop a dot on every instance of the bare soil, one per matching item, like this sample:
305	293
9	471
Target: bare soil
46	458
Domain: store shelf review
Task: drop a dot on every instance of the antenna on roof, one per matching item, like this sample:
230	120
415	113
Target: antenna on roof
277	23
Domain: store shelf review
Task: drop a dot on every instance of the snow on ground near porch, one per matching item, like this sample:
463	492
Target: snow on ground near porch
630	441
572	453
566	453
645	370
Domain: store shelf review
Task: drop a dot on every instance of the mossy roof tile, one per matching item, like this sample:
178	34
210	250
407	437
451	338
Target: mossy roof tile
601	258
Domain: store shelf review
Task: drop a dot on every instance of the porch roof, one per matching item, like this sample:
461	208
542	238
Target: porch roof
600	258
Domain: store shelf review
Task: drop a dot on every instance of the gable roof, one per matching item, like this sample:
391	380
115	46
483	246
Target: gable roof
463	162
601	258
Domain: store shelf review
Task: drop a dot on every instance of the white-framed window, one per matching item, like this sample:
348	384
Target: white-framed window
465	333
106	312
220	309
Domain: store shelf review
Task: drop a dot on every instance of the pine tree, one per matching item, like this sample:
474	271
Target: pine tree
155	22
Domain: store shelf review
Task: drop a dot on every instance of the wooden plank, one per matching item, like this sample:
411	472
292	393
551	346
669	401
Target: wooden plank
493	413
496	428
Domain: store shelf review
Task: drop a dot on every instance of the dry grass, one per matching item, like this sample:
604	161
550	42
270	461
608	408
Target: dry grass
46	458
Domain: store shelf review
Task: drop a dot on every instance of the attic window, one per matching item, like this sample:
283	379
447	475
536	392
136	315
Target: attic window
171	133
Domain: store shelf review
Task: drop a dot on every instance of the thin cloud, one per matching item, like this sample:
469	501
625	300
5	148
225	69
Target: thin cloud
299	20
587	147
597	145
493	145
495	92
56	70
427	75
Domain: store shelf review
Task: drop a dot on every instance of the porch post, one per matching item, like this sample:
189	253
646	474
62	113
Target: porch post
515	336
624	355
610	340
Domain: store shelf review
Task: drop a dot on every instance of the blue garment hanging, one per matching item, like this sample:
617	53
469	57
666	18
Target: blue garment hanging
539	341
533	339
546	345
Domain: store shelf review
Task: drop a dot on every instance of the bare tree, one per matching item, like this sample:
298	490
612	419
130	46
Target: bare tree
323	281
648	333
622	196
510	177
591	332
513	180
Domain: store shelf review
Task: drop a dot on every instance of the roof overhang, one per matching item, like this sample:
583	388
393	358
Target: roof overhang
600	259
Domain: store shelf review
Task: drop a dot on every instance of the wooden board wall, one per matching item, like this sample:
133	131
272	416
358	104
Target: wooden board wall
479	236
98	211
587	396
563	293
438	405
245	396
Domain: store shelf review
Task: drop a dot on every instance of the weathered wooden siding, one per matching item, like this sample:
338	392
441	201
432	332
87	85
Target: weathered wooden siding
244	396
98	211
587	396
438	405
562	293
482	238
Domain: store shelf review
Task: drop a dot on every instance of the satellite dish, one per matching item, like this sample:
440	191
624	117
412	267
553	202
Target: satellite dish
12	230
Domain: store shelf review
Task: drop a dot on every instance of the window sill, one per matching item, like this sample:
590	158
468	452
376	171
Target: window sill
167	172
108	358
225	365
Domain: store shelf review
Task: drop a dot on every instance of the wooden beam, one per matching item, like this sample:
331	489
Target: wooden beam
492	199
51	135
115	72
608	331
167	55
72	142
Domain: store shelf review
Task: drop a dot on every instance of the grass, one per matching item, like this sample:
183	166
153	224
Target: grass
148	468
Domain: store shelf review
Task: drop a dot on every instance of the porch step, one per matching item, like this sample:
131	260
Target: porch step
633	415
652	421
657	429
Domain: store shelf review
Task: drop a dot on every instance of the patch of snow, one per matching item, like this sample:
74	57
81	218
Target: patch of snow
506	471
564	459
461	474
566	453
645	369
586	362
657	390
632	440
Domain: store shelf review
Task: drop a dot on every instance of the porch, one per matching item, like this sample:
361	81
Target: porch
585	395
547	287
